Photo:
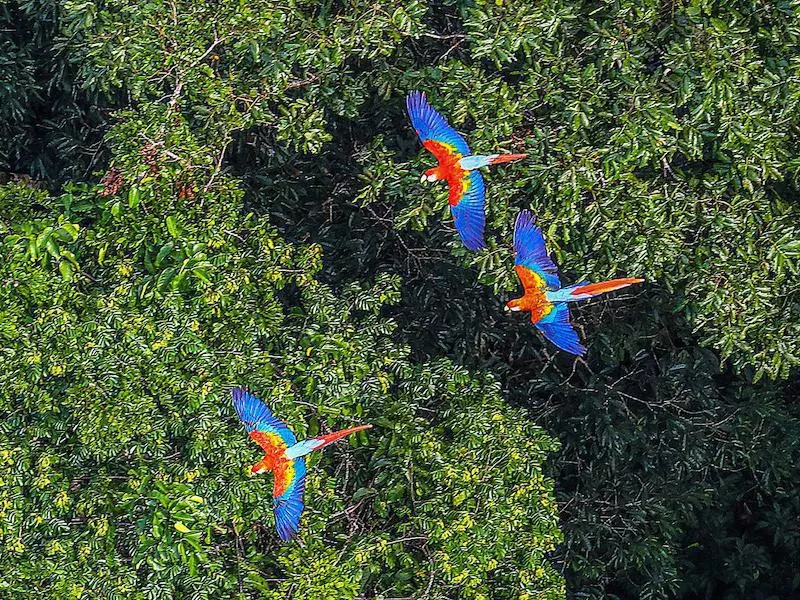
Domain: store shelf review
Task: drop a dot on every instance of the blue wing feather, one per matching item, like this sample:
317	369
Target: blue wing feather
556	327
289	506
469	214
256	416
531	251
430	125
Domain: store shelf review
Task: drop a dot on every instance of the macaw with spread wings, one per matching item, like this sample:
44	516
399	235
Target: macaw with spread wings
283	455
543	295
456	166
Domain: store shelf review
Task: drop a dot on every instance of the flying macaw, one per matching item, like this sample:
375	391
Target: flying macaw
456	166
543	295
283	455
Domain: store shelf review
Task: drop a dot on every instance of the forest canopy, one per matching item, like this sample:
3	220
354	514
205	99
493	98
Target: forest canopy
198	195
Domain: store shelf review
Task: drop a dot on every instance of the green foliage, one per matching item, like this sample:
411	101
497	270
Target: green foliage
659	135
125	471
660	147
49	126
678	479
260	200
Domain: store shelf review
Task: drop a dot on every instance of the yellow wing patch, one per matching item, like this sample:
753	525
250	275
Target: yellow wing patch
445	153
531	280
271	442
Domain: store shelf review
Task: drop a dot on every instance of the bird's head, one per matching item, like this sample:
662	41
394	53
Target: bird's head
514	305
430	175
261	467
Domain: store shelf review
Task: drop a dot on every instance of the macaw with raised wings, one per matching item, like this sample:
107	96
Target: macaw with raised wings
543	295
283	455
457	167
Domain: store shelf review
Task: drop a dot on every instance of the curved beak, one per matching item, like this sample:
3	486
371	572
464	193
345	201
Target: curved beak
506	308
423	179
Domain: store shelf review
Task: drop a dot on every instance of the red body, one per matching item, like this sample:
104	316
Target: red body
448	168
273	451
534	299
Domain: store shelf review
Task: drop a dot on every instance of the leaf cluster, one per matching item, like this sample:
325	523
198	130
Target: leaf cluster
260	198
125	471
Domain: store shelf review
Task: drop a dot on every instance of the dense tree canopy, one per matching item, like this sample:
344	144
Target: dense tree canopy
130	310
198	195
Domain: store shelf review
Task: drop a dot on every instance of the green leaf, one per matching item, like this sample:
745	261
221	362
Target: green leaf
134	197
164	252
65	267
202	274
164	279
172	226
52	248
181	527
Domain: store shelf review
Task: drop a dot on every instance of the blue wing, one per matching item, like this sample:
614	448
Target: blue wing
556	327
256	416
430	125
469	214
531	251
288	506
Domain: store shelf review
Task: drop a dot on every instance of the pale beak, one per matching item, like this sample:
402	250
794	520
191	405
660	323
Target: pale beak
506	308
423	179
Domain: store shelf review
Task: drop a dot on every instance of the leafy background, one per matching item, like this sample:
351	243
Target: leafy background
198	195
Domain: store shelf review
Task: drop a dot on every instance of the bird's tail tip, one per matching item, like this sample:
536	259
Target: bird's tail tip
504	158
358	428
337	435
594	289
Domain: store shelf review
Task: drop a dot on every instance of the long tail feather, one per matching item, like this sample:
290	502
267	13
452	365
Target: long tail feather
316	443
337	435
497	159
593	289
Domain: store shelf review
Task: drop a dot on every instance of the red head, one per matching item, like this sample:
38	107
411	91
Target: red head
514	305
538	307
430	175
265	464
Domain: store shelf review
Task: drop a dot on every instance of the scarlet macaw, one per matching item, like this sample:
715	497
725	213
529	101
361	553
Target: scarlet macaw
543	295
282	455
457	167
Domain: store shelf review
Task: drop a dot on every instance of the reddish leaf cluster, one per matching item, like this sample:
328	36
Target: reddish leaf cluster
186	191
150	155
111	182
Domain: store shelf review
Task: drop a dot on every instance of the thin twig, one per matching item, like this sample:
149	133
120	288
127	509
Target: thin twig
217	168
454	36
